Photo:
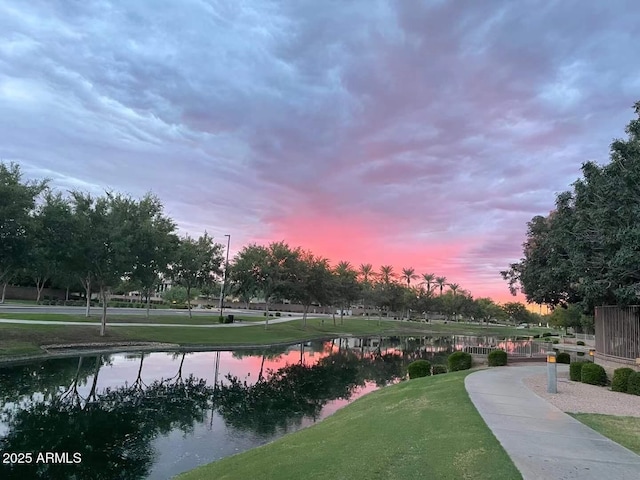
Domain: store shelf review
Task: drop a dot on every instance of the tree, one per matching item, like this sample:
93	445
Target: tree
314	282
441	282
196	263
567	317
50	240
386	273
428	279
586	251
517	312
271	270
17	201
348	290
154	246
409	274
366	275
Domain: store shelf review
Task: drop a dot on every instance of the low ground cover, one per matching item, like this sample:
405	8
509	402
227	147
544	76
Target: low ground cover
422	428
199	319
623	430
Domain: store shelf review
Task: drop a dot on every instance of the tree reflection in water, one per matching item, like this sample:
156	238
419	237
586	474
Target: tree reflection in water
114	429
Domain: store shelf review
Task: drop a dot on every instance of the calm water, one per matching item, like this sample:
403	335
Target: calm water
154	415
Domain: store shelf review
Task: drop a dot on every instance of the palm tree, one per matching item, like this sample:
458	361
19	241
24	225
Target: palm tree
366	271
409	274
454	288
386	273
428	280
441	282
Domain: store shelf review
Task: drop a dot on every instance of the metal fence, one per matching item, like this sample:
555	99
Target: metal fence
618	331
519	348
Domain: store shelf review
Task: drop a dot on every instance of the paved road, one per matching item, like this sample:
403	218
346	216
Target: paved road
15	308
542	441
131	324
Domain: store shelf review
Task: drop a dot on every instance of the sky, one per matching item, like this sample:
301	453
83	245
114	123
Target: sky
420	134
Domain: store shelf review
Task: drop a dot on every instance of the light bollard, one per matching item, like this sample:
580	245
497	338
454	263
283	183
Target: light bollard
552	374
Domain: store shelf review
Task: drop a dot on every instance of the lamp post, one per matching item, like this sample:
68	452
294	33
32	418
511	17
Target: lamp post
224	278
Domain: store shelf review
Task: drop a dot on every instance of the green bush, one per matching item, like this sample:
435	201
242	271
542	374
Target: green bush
459	361
546	334
580	342
555	341
575	371
278	314
419	368
620	380
593	374
633	383
497	358
563	357
438	369
580	354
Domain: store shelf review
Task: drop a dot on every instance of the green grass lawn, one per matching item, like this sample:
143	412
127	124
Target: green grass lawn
199	319
622	430
422	428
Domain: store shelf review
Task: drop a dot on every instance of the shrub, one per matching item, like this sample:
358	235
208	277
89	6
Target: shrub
575	371
580	342
563	357
497	358
438	369
633	383
419	368
580	354
546	334
555	341
593	374
278	314
459	361
620	380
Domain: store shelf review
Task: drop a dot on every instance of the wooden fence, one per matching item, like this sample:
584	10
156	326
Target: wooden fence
618	332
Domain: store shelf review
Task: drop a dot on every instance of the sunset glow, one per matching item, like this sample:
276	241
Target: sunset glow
414	134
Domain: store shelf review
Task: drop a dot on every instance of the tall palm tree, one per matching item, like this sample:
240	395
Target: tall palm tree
386	273
441	282
454	288
428	280
409	274
365	271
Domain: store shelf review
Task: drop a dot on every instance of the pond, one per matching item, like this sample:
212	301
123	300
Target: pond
154	415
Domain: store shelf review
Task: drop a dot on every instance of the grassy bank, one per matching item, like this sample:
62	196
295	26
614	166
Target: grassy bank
622	430
21	339
423	428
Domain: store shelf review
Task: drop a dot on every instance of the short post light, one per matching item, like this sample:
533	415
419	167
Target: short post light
552	374
592	354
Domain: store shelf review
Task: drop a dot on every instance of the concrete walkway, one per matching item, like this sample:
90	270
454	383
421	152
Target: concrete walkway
130	324
542	441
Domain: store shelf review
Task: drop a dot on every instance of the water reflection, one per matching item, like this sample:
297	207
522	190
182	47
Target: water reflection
153	415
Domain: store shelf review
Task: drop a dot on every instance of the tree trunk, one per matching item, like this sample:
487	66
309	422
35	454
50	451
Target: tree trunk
333	314
304	316
92	394
4	291
266	317
261	368
342	315
39	287
148	303
189	301
103	321
66	296
86	283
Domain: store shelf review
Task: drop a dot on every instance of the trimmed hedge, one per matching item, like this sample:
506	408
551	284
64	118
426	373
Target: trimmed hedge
438	369
620	380
419	368
593	374
563	357
459	361
575	371
546	334
633	383
497	358
580	342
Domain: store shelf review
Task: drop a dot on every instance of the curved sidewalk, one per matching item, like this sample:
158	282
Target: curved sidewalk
543	441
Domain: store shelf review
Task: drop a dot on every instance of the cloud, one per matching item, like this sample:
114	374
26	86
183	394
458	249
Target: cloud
389	132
